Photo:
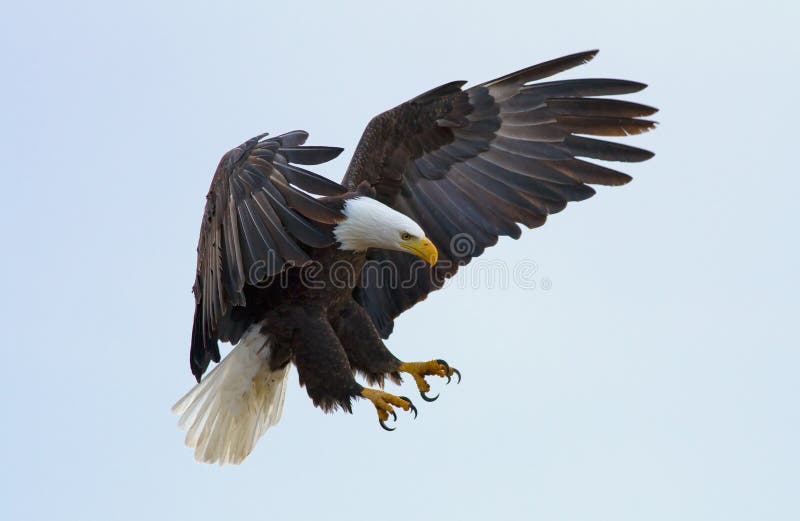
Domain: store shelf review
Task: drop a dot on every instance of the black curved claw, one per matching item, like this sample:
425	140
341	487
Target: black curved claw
410	406
385	427
447	369
394	416
428	398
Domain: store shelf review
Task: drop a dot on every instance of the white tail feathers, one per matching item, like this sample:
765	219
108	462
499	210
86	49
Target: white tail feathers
234	405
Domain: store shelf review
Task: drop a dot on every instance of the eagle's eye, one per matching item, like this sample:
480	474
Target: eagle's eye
405	236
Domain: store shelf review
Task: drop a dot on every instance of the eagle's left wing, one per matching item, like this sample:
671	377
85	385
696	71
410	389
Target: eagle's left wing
468	165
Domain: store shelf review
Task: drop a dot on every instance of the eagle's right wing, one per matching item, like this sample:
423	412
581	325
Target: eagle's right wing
252	224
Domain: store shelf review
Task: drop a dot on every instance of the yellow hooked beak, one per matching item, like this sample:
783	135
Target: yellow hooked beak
422	248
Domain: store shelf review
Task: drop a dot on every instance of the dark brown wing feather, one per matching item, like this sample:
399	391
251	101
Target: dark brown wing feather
254	222
469	165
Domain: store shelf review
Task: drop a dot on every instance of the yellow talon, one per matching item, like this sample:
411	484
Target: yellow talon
383	402
419	370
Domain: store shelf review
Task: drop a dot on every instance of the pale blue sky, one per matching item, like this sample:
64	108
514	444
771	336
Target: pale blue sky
655	380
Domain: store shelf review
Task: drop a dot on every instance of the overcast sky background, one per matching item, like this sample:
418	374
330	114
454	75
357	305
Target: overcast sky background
656	378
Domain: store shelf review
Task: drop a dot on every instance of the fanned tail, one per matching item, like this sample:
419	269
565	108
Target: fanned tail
234	405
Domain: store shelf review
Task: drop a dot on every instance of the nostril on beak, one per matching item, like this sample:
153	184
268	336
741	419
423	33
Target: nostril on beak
434	253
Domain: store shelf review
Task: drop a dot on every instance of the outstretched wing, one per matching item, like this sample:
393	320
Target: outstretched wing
468	165
254	222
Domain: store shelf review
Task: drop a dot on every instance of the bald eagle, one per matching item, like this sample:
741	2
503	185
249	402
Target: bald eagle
293	268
